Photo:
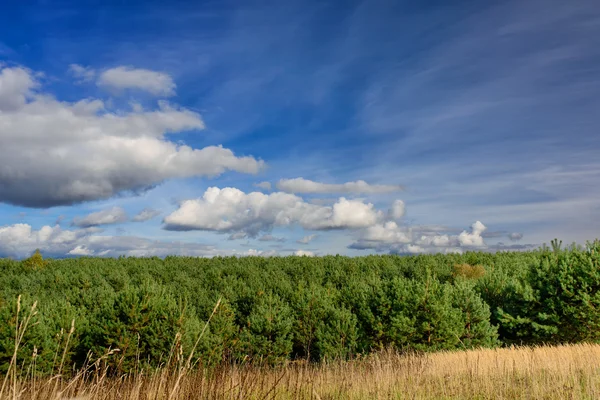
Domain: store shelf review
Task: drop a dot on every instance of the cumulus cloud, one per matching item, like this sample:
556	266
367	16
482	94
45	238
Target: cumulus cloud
414	249
304	253
473	238
114	215
301	185
515	236
307	239
81	73
126	77
59	153
16	86
231	210
393	238
389	232
145	215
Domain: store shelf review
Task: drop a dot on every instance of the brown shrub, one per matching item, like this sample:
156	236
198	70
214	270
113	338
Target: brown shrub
468	271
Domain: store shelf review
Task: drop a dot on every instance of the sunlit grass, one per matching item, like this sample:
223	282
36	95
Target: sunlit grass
563	372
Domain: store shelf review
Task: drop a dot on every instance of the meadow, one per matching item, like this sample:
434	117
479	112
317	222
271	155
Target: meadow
551	373
473	325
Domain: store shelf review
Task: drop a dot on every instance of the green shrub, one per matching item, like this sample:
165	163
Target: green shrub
267	336
142	323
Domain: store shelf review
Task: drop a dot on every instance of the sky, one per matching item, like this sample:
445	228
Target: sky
217	128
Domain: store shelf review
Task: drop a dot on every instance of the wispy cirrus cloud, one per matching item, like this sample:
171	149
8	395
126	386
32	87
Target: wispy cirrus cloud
82	73
114	215
271	238
301	185
145	215
307	239
263	185
126	77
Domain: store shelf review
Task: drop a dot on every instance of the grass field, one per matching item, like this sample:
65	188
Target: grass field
563	372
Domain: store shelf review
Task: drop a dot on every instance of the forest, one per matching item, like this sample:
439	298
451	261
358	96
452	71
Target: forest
274	310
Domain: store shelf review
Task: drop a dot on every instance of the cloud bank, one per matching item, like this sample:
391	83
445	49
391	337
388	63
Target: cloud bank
20	240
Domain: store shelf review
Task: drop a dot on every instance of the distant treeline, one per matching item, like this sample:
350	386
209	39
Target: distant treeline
295	308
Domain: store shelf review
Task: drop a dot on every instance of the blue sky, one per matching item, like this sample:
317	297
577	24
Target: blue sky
379	126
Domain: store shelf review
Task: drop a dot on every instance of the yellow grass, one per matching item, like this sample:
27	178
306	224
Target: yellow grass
563	372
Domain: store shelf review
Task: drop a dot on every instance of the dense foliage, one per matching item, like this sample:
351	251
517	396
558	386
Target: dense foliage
295	308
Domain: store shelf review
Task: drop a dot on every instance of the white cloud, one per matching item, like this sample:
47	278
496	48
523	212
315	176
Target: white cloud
145	215
307	239
125	77
390	237
389	232
304	253
257	253
16	87
114	215
301	185
397	211
231	210
473	239
414	249
80	250
83	74
437	241
59	153
263	185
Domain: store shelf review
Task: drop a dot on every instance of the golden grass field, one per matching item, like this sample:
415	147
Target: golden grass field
563	372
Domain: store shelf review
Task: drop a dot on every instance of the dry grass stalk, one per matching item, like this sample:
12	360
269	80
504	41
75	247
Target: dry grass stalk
563	372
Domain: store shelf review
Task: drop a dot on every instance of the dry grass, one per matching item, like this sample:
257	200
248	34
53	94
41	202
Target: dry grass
565	372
